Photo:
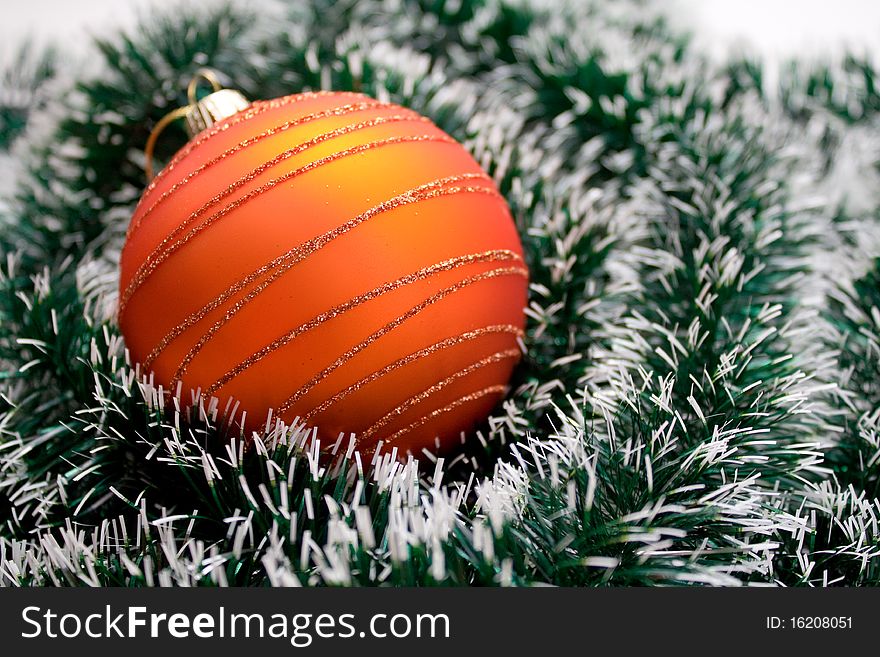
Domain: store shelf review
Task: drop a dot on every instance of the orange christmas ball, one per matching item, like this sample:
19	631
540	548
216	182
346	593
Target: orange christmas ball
333	258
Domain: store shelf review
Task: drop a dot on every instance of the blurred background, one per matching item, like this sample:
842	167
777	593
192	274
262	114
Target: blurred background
774	30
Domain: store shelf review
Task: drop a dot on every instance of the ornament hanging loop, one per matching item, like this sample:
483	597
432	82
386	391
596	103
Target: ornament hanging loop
192	88
199	113
163	123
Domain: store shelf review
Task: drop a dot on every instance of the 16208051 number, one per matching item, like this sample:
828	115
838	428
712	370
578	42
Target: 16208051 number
809	623
821	622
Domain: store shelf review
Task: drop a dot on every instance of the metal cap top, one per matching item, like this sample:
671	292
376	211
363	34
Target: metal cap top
214	107
199	114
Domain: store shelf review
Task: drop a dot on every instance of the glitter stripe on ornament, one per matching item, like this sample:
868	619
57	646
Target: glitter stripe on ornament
161	253
474	396
336	311
453	341
300	253
257	107
399	410
149	265
333	112
397	321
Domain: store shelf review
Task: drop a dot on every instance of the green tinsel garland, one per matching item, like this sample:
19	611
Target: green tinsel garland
700	400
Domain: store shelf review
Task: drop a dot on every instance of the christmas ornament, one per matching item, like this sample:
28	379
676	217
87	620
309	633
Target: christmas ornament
328	257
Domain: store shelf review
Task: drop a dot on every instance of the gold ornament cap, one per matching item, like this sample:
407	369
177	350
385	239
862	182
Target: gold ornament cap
214	107
199	113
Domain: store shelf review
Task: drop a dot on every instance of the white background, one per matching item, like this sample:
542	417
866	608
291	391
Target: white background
773	29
